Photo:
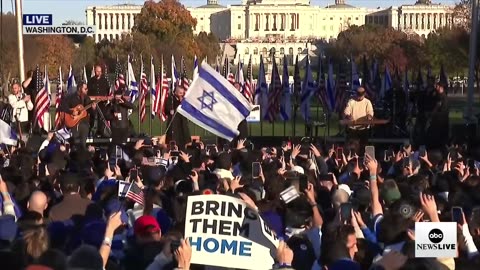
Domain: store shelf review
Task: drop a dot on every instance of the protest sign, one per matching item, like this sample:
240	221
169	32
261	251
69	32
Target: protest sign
223	231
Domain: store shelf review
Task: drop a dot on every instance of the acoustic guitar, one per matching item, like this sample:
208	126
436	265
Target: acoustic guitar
79	112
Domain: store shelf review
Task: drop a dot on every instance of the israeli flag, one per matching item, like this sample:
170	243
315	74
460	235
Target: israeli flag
214	104
63	135
133	86
7	134
71	84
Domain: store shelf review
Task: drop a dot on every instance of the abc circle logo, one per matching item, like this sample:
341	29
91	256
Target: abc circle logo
435	236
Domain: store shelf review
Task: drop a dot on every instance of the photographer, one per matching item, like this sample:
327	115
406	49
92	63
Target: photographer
21	104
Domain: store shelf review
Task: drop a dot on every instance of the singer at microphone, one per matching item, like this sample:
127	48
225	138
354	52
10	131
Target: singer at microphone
178	125
21	104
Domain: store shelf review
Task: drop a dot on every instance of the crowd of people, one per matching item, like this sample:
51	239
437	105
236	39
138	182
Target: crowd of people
64	204
62	208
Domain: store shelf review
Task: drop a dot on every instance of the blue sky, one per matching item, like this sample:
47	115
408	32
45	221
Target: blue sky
63	10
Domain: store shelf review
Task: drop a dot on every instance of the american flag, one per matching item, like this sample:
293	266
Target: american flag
248	82
143	92
297	85
162	90
42	102
135	193
119	77
341	90
154	97
59	98
225	67
228	73
321	89
274	93
184	79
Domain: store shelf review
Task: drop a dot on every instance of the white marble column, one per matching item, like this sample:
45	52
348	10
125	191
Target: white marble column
99	20
107	21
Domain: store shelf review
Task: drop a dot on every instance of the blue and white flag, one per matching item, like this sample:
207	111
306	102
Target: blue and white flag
195	67
85	79
331	102
355	83
132	83
214	104
308	90
175	75
286	100
7	134
387	83
261	92
63	135
71	84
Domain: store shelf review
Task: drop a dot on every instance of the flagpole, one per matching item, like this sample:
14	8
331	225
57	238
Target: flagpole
274	90
140	96
472	57
151	104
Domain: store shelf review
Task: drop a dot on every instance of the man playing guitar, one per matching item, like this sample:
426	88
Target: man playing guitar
70	106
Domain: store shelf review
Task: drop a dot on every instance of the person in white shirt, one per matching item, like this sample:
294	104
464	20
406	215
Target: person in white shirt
21	104
358	109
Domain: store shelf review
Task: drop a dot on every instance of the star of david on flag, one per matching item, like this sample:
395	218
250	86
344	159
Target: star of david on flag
214	104
207	100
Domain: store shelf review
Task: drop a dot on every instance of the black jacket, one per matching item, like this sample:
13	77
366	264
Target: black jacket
98	87
117	114
74	100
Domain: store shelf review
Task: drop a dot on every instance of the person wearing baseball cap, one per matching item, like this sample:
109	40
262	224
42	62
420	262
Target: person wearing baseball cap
146	246
358	108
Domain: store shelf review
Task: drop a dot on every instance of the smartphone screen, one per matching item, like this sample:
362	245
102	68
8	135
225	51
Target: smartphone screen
339	152
422	150
211	148
174	245
386	157
173	144
112	163
476	164
303	183
370	150
346	211
457	214
256	168
133	174
118	152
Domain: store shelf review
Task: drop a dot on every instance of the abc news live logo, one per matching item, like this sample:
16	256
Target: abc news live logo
42	24
435	239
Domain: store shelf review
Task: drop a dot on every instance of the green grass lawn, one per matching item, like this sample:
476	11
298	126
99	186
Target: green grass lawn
279	128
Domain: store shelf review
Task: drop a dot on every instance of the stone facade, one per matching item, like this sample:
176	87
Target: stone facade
281	20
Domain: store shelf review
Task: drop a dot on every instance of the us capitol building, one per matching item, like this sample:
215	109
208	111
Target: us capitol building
284	25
